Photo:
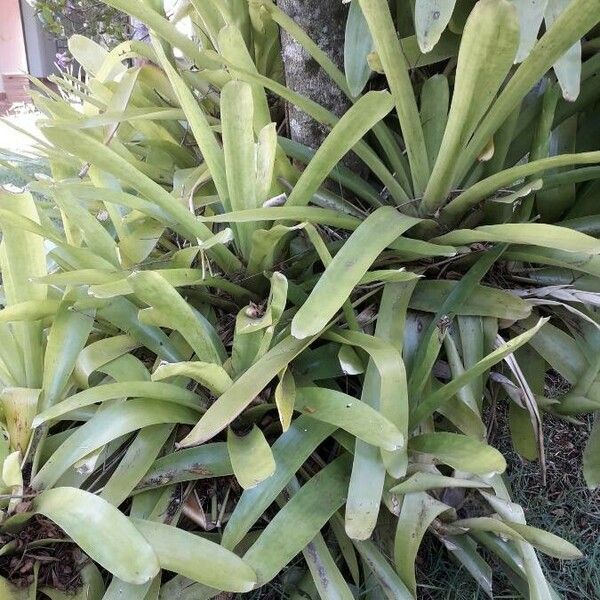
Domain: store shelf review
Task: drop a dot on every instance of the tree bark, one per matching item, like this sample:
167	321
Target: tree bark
324	21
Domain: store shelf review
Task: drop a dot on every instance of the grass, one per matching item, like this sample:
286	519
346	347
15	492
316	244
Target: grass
565	506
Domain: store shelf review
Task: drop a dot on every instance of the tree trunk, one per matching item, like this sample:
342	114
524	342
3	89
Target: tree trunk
324	21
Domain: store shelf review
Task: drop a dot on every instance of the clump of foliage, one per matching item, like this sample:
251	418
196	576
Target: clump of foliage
64	18
212	363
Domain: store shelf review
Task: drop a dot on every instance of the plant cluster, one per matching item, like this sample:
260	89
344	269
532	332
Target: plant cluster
64	18
221	349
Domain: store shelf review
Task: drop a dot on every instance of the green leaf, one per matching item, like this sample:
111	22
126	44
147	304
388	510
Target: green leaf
106	426
464	550
423	482
237	112
579	17
138	458
111	391
550	544
290	451
591	458
22	258
568	67
430	404
166	30
90	55
202	462
97	354
531	14
360	118
347	268
66	339
482	301
358	44
155	291
537	234
435	97
251	457
350	414
391	585
244	390
487	51
285	398
197	558
212	376
297	523
105	158
431	18
101	531
233	48
416	515
326	575
390	53
19	406
468	199
459	451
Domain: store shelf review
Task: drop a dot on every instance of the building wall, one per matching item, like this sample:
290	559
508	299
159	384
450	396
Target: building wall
12	46
41	46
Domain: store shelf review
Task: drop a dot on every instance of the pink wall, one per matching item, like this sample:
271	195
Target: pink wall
12	46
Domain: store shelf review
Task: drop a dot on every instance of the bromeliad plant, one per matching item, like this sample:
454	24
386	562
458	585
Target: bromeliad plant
211	362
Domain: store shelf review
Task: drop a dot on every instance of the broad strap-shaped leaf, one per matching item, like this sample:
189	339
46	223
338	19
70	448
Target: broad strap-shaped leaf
392	587
97	354
487	187
391	55
360	118
482	301
487	51
166	392
285	398
347	268
190	464
531	15
138	458
431	18
105	158
424	481
434	400
243	391
579	17
19	406
459	451
537	234
66	339
435	98
210	375
237	112
326	575
358	44
251	457
350	414
297	523
196	558
546	542
418	511
568	67
22	258
153	289
106	426
101	531
290	451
